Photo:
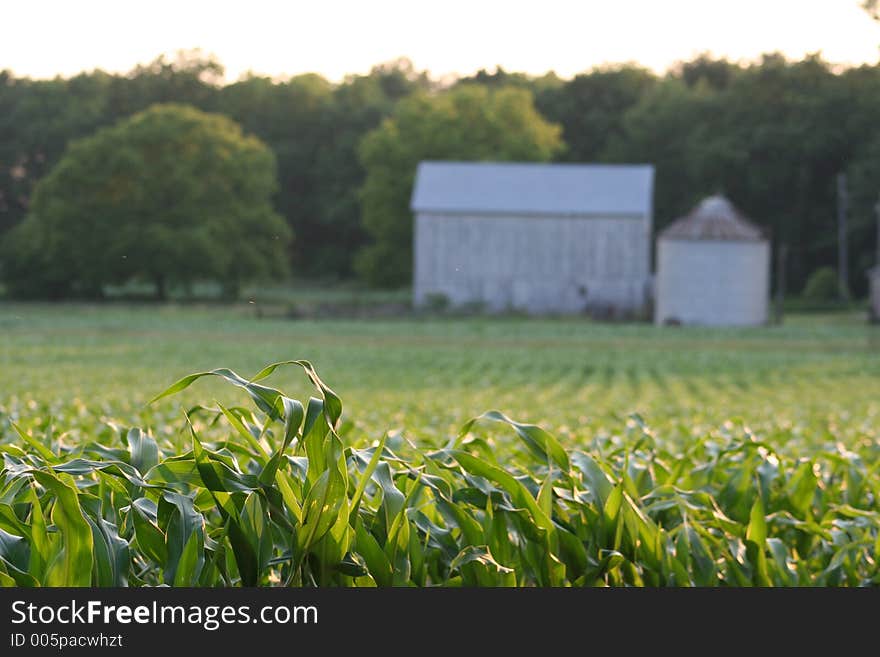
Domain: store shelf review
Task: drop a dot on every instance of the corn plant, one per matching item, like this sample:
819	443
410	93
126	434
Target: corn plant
277	497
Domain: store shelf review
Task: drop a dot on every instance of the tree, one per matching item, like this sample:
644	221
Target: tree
704	69
314	129
591	106
39	117
822	285
469	122
312	126
772	136
863	178
501	78
170	195
358	106
191	77
288	117
672	127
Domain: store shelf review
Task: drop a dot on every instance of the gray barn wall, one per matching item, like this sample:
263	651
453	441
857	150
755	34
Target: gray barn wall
539	264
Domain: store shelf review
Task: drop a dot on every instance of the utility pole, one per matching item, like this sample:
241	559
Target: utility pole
842	264
780	279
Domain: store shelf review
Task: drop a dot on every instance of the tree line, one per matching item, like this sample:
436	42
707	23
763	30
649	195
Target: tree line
772	135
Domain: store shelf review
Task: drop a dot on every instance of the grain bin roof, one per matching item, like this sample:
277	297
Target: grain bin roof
520	188
715	218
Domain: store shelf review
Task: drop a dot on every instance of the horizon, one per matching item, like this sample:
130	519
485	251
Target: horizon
593	35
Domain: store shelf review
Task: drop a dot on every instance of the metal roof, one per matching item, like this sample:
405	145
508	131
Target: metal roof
715	218
527	188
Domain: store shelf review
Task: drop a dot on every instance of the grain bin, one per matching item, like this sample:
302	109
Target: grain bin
713	268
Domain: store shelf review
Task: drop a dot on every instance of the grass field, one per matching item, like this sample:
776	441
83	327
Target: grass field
816	373
685	456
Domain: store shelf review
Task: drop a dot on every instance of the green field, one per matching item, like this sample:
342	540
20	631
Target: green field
816	374
685	456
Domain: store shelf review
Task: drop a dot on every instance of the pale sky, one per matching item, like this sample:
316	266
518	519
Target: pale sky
44	38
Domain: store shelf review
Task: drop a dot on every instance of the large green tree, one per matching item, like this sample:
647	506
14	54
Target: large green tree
469	122
170	195
312	126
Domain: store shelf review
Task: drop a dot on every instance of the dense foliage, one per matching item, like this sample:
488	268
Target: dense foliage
278	498
170	195
773	135
312	127
822	285
467	123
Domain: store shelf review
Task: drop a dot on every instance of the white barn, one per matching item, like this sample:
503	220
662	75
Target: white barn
713	268
540	238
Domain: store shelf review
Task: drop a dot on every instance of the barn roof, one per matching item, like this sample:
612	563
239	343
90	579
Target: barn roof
715	218
527	188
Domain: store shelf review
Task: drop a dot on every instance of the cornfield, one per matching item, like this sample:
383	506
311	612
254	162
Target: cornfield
277	498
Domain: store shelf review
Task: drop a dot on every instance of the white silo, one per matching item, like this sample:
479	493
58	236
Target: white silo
713	269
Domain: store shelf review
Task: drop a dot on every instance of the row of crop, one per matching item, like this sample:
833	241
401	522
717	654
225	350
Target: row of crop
281	500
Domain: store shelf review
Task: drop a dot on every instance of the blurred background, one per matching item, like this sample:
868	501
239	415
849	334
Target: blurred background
189	185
